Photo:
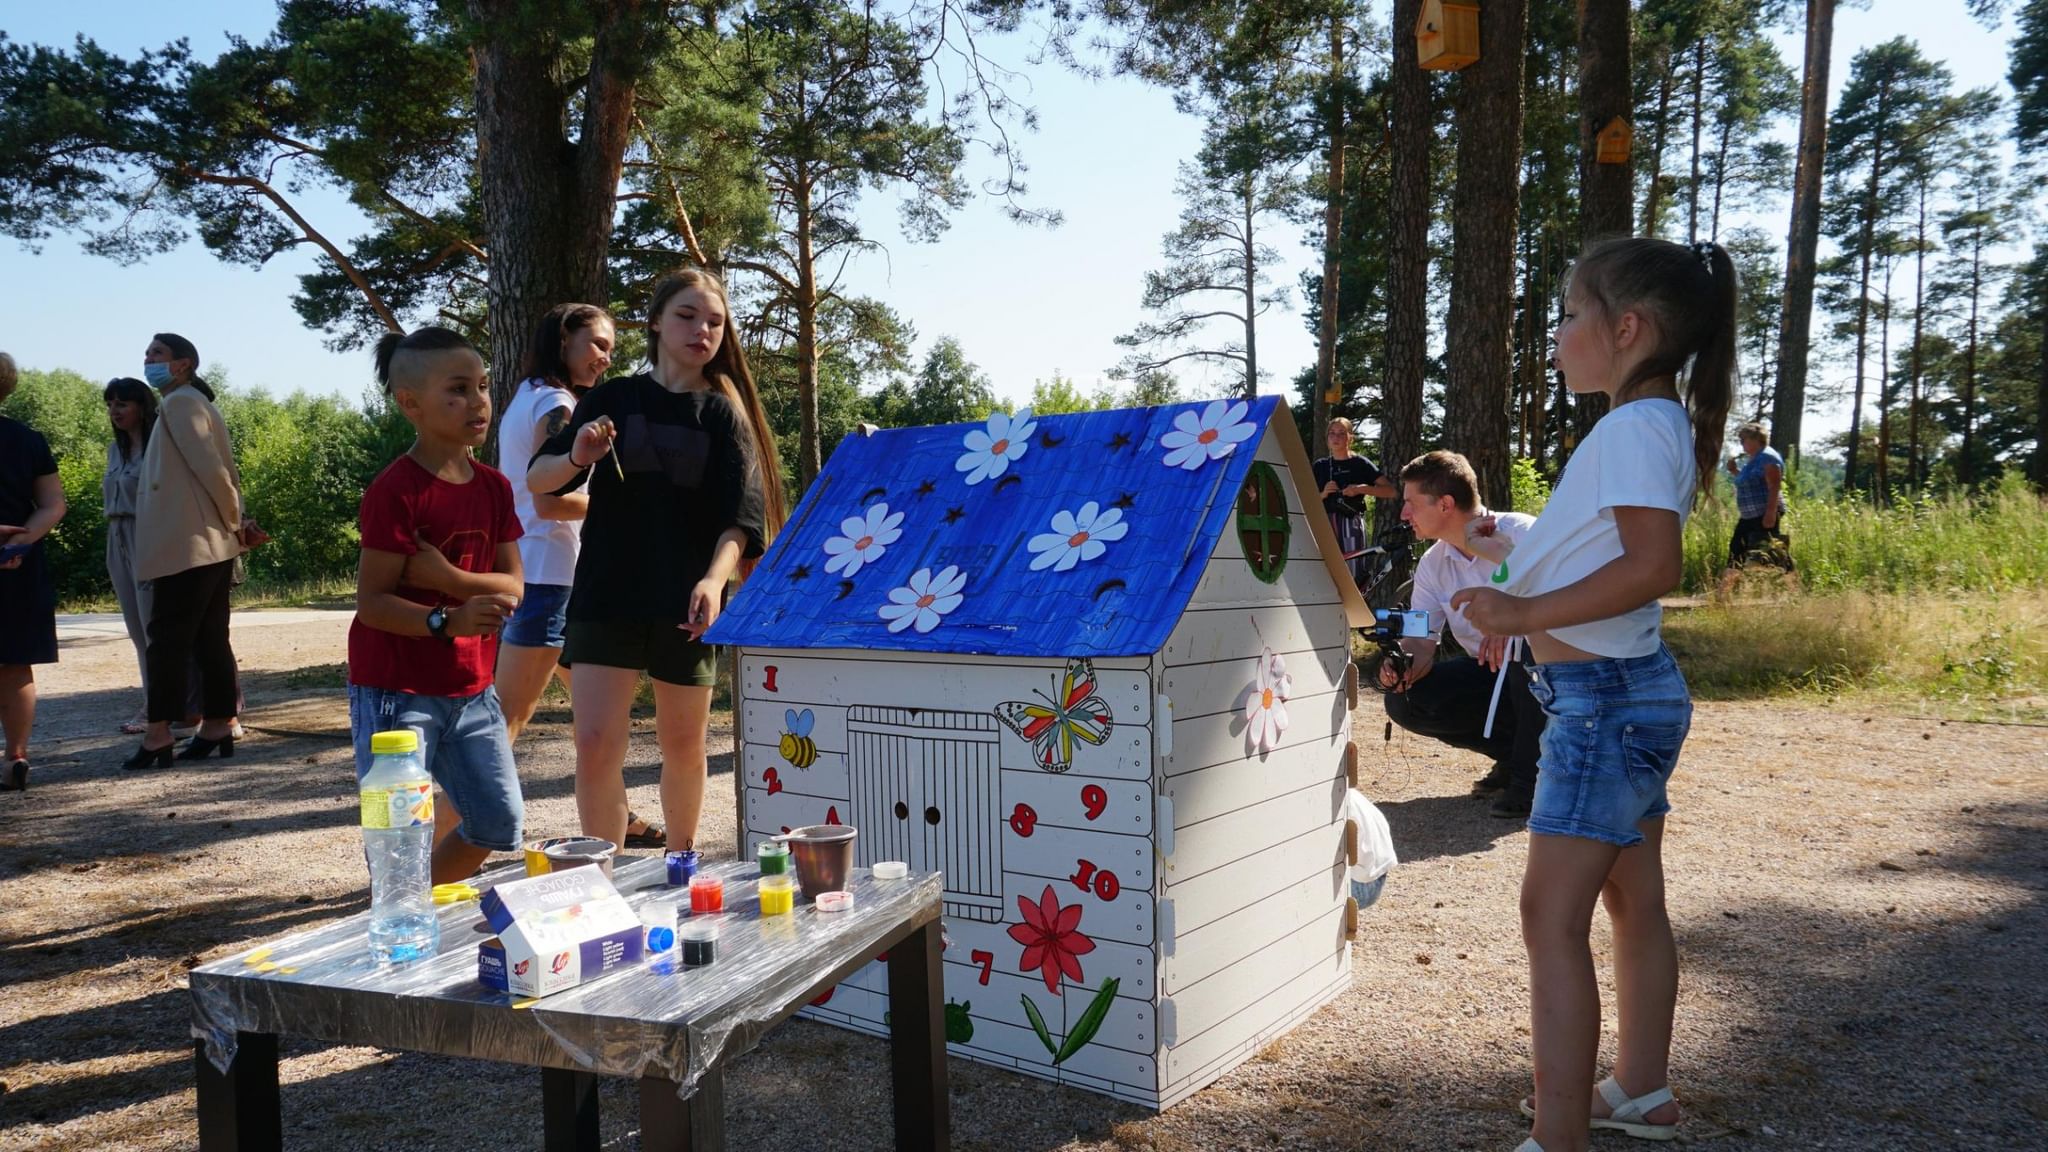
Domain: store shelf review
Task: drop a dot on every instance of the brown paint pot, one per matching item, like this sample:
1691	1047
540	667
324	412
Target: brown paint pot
824	857
579	852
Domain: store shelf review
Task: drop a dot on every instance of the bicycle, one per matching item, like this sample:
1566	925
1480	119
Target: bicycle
1383	580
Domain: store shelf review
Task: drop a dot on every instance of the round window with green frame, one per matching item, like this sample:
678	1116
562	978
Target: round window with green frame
1263	526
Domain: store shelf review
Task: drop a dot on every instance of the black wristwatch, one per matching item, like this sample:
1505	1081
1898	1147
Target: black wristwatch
437	623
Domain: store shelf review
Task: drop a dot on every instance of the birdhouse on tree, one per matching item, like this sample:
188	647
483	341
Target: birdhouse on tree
1612	143
1447	34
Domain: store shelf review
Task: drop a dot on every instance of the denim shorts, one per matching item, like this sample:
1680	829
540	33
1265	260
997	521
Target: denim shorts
1611	744
542	618
465	749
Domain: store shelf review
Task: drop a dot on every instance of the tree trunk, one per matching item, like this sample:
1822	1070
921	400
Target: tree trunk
1333	223
1606	191
1967	467
1795	323
1654	194
1251	290
548	197
2041	411
1867	242
1699	87
1913	477
1884	389
1485	207
1720	179
1410	128
809	450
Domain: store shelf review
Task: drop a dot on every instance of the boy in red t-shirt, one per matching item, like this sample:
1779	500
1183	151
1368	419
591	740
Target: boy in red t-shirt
439	575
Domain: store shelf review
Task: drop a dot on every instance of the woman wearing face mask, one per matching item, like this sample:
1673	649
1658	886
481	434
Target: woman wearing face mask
189	529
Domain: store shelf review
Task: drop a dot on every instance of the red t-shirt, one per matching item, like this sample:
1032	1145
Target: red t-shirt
466	522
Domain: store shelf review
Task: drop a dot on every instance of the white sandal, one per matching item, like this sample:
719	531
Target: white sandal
1625	1116
1529	1145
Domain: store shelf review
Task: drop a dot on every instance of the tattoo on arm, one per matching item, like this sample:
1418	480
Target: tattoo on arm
557	419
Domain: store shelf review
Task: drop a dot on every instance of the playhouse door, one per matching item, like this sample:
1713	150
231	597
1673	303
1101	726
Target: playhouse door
926	789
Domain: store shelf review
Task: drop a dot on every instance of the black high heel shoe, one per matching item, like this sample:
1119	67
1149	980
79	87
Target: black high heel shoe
17	777
147	757
199	747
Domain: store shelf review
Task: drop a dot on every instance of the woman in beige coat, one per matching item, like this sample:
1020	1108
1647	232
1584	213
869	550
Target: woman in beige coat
189	529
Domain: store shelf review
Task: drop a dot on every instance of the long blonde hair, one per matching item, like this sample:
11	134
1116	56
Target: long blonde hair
728	372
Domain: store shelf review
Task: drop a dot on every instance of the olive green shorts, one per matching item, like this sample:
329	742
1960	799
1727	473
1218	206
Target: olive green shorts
657	647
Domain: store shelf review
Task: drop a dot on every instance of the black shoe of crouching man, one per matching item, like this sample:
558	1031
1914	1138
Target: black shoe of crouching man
1510	805
1494	781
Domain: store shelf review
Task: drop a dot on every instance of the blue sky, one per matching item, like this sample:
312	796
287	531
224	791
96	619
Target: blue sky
1024	302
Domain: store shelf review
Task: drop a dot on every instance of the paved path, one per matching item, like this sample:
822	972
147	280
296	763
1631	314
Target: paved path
96	627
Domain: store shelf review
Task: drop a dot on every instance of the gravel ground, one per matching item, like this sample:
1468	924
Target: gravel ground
1859	902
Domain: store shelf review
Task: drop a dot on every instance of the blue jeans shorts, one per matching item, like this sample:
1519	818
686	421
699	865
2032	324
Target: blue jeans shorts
542	618
1611	744
463	742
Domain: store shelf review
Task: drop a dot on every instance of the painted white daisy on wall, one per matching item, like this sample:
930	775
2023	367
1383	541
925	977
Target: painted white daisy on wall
1212	434
991	449
1080	535
862	539
925	600
1265	711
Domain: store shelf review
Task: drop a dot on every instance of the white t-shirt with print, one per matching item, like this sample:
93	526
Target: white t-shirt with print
1638	456
548	550
1445	570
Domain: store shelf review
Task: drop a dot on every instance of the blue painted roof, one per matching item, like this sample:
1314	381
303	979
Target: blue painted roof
967	497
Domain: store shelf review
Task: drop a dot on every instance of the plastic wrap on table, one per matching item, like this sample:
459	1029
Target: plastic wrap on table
659	1018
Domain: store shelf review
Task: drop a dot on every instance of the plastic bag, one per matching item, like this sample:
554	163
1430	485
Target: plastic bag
1375	848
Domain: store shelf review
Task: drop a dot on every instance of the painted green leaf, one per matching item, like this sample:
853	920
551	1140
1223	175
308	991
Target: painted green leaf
1090	1022
1038	1024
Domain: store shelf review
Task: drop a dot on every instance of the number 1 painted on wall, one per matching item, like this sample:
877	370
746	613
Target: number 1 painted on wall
768	679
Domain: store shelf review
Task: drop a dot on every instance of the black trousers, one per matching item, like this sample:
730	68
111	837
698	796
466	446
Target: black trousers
188	622
1450	703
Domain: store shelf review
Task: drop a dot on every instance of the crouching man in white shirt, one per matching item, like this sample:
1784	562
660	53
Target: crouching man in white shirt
1446	699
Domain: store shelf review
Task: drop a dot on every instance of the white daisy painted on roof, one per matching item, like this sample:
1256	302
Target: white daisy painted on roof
1265	711
925	600
1080	535
991	449
1212	434
862	539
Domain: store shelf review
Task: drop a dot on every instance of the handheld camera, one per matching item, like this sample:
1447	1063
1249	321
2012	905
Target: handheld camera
1390	627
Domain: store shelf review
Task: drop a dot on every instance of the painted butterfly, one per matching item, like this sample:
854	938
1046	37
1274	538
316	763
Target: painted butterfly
1076	713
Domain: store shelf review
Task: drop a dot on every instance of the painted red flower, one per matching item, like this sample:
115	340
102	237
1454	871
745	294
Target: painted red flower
1050	938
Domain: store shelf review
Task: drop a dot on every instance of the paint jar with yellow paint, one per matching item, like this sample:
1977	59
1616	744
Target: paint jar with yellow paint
778	895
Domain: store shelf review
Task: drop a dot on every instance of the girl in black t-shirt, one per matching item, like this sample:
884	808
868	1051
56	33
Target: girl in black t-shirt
685	490
1347	482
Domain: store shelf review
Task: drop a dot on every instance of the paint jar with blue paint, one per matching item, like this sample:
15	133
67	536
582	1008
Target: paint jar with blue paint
658	921
681	866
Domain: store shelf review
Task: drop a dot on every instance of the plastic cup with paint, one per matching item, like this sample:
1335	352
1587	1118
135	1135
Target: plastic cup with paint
835	901
778	895
773	857
891	870
698	941
707	894
658	919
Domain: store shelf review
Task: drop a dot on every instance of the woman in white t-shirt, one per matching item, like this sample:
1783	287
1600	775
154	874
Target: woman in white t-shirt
1640	315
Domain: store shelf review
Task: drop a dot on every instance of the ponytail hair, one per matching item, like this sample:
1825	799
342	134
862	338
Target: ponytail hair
183	349
429	339
728	373
1689	293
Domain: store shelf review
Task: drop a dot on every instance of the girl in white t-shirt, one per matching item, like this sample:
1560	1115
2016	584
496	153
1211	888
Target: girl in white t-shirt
569	352
1640	316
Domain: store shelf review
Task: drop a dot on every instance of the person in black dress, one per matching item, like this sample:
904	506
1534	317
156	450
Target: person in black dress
1347	482
31	503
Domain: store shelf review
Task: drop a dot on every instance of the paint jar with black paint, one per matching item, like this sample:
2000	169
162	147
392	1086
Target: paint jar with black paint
699	943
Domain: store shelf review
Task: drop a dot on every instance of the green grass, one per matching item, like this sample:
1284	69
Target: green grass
1984	656
1994	542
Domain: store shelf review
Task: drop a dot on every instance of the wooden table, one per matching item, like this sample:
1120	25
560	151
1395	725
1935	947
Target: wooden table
670	1027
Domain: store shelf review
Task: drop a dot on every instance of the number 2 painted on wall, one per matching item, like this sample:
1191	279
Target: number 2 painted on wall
1106	885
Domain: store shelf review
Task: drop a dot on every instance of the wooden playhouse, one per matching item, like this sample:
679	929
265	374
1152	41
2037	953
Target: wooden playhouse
1096	669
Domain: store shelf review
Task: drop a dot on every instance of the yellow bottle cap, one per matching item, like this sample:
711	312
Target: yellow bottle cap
397	742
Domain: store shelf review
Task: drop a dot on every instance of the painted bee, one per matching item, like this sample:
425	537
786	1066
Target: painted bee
797	746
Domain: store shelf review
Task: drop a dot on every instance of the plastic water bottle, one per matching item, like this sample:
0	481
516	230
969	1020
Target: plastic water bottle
398	840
